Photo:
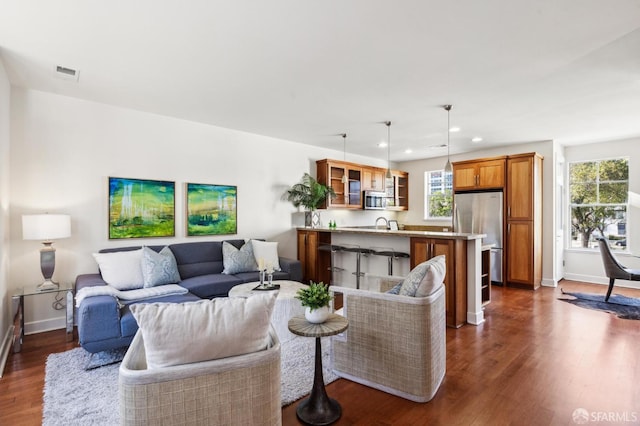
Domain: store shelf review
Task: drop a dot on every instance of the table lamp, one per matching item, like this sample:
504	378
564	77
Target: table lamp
45	228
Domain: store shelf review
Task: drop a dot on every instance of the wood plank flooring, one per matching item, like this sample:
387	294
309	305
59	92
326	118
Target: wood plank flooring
534	361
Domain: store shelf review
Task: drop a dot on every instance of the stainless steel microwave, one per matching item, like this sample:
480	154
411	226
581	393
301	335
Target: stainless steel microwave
374	200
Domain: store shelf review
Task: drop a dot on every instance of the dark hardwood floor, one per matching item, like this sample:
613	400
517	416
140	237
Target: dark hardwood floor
534	361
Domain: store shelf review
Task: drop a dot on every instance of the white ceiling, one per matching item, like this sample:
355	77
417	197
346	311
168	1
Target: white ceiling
302	70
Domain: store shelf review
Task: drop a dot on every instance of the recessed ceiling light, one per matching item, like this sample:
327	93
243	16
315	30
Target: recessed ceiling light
408	151
476	139
454	129
382	145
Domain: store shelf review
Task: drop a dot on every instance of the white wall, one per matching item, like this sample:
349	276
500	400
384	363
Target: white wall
5	294
416	170
586	265
64	149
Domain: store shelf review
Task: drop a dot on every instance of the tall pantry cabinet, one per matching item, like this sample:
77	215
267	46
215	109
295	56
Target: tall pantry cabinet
524	221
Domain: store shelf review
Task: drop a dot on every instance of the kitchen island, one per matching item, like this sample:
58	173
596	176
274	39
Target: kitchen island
462	251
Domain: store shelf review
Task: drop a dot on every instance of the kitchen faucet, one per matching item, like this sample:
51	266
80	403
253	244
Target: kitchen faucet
386	222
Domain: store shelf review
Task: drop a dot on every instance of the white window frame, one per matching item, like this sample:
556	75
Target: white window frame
428	191
570	205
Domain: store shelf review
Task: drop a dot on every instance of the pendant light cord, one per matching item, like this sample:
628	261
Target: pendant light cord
388	123
447	167
344	147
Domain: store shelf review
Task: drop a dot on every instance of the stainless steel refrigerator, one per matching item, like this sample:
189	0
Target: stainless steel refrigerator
482	213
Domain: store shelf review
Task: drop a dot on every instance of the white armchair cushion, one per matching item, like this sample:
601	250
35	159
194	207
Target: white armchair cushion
425	278
182	333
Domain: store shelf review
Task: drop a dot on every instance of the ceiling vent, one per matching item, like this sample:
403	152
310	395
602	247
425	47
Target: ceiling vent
66	73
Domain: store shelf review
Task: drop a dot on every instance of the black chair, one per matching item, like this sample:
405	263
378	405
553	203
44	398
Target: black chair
613	268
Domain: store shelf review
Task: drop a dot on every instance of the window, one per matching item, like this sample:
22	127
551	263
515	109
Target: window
598	203
438	198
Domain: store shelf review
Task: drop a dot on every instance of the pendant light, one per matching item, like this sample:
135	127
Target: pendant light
388	124
344	156
448	168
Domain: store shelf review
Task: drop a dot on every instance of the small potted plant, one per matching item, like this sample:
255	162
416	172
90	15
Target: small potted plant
310	194
315	299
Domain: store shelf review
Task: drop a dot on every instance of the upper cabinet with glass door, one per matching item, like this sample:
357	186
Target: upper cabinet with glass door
345	179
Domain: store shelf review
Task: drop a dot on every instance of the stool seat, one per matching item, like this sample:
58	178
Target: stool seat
360	250
391	254
330	247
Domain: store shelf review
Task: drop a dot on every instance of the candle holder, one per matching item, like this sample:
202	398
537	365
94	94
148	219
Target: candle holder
262	283
270	278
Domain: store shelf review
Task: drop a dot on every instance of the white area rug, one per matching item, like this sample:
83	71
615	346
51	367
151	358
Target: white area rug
75	396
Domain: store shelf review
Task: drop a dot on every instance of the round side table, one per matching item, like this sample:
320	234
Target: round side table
318	408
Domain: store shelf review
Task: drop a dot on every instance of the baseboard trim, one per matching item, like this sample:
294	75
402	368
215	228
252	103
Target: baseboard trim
5	349
601	280
42	326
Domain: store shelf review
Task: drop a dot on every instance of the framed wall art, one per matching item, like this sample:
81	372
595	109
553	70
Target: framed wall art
211	209
140	208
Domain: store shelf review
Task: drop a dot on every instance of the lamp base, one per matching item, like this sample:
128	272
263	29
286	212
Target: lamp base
48	285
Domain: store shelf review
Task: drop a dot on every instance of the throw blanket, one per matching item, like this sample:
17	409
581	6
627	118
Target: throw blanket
129	295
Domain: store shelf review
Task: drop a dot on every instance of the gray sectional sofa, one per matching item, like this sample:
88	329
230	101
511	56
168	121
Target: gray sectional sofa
105	323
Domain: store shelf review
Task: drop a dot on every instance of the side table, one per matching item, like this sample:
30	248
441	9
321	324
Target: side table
18	307
318	408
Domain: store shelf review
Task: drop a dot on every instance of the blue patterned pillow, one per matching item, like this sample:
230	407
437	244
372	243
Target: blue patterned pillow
395	289
425	278
159	268
236	261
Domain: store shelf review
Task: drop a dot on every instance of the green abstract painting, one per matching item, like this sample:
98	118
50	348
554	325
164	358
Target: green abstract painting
141	208
211	209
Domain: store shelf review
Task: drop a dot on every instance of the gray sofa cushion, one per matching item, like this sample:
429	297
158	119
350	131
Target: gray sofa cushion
210	285
201	258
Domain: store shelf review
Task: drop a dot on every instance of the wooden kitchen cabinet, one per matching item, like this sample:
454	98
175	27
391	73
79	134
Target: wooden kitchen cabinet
479	174
349	191
315	263
455	252
398	191
524	221
373	179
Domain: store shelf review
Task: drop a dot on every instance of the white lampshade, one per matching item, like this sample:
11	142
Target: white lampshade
46	227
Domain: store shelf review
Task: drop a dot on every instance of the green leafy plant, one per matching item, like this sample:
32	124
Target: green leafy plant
315	296
309	193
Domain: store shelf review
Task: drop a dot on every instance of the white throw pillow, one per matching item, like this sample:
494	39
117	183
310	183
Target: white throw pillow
121	269
425	278
266	252
182	333
159	268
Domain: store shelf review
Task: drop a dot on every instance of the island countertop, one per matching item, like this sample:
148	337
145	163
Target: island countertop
366	230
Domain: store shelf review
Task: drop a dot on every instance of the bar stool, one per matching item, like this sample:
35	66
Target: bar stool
359	251
391	255
333	249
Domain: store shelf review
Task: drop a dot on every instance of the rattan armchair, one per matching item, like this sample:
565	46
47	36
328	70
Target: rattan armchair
394	343
243	389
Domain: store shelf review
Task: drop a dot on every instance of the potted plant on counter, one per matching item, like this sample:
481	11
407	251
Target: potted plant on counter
315	299
310	194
